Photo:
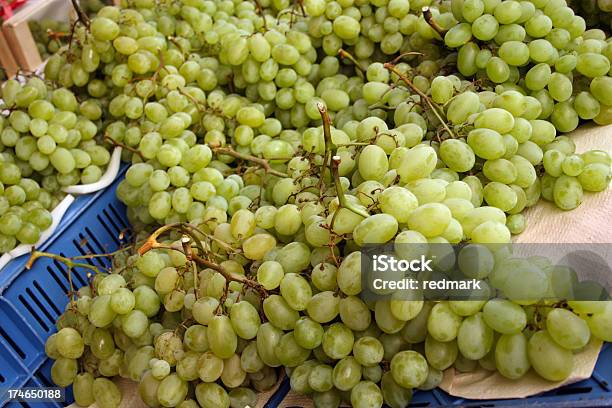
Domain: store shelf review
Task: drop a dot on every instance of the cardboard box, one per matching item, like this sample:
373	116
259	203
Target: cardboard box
7	60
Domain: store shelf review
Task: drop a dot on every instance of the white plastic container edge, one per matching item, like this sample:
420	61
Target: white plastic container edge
57	214
106	180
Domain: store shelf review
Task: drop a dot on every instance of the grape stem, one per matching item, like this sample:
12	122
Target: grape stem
260	10
188	229
81	15
345	54
327	140
69	262
412	86
432	23
263	163
66	261
405	54
343	203
126	147
152	243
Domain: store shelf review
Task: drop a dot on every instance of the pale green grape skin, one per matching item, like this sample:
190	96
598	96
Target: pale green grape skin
567	329
548	359
366	394
457	155
511	355
222	339
440	355
595	177
504	316
567	192
600	322
409	369
474	338
443	324
338	341
368	351
106	393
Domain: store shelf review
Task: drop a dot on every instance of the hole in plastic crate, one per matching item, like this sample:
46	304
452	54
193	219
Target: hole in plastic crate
81	279
86	241
53	274
113	219
119	216
100	250
573	390
14	345
42	308
34	314
64	272
44	380
44	294
78	244
113	234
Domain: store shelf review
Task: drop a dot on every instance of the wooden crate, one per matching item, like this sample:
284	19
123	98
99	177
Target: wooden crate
18	34
7	60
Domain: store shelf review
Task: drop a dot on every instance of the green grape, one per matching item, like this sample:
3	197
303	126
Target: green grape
70	343
486	143
106	393
366	394
222	339
64	371
440	355
83	389
320	378
567	192
474	338
548	359
504	316
279	312
567	329
409	369
245	319
457	155
511	355
211	395
595	177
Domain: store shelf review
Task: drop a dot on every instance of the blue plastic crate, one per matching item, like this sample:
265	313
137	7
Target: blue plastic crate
32	300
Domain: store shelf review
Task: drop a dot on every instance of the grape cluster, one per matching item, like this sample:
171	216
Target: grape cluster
205	320
269	142
49	140
540	48
144	322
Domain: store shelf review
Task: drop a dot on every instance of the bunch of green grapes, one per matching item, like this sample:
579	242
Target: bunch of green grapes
538	48
185	333
281	159
49	140
192	332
